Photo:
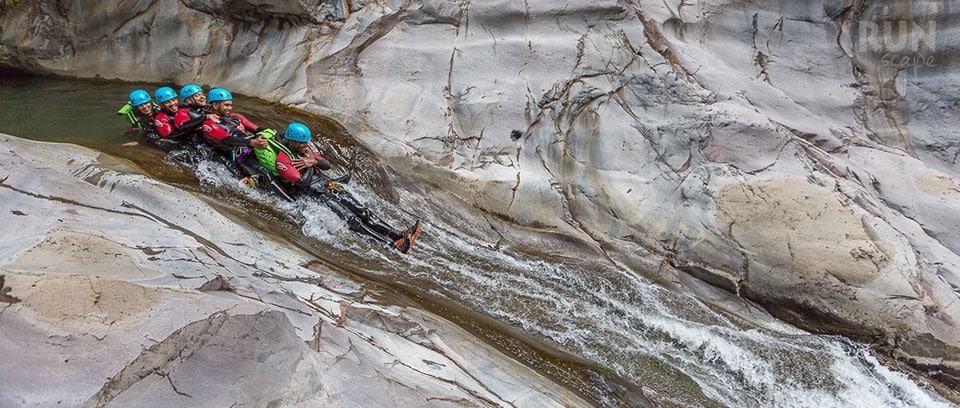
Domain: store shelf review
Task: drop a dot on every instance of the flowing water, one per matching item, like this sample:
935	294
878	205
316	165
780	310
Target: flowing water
603	330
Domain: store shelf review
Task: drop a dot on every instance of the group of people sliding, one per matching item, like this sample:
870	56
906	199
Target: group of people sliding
284	162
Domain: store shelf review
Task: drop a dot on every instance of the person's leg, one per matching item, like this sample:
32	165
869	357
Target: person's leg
253	168
361	220
367	218
353	221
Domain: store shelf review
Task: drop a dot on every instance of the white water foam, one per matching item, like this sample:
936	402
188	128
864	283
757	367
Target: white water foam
621	321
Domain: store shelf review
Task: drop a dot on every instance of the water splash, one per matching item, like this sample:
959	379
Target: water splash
651	335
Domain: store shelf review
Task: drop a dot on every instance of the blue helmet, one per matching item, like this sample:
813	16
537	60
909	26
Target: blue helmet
139	97
298	132
219	94
165	94
190	90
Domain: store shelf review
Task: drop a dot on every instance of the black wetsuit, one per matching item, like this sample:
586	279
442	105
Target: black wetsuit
312	181
231	141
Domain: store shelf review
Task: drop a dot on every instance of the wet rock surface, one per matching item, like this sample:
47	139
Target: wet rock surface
798	154
112	281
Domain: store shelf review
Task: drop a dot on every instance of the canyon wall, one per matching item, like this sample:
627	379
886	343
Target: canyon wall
802	155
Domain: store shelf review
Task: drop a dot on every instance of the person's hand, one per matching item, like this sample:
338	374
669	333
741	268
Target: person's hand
259	142
305	162
213	117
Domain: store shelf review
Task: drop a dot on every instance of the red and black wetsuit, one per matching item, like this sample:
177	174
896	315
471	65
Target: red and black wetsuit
163	123
232	131
290	172
169	139
231	137
189	119
336	198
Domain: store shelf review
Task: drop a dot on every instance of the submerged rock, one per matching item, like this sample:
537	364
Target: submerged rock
132	292
797	154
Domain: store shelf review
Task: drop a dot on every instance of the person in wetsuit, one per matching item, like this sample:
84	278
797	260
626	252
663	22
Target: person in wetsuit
289	156
190	117
139	111
234	136
163	121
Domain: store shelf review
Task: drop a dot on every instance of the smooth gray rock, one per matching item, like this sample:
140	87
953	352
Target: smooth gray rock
798	154
118	290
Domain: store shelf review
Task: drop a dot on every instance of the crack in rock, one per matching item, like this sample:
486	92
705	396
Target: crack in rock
4	290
